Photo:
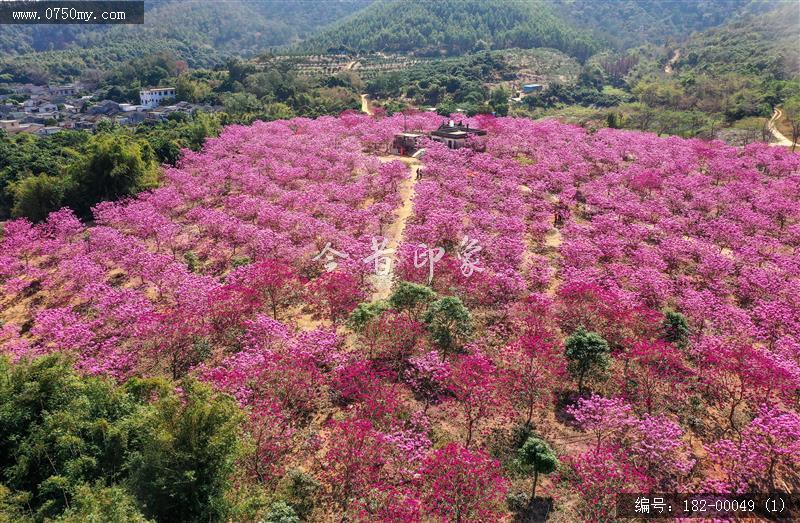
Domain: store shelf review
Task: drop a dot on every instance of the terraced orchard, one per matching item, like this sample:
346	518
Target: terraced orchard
563	317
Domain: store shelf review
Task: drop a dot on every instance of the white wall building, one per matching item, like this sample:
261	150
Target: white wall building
153	97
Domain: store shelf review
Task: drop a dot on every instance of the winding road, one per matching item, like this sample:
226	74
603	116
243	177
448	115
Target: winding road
365	107
781	139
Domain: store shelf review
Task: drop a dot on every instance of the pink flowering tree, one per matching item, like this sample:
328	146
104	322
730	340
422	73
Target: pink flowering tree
334	295
533	366
277	284
654	445
428	376
655	374
457	484
599	476
766	457
607	419
476	394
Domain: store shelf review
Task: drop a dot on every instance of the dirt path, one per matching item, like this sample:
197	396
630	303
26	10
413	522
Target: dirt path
781	139
553	242
383	283
365	107
675	57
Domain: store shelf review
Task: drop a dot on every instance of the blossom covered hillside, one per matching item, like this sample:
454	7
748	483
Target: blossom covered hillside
572	314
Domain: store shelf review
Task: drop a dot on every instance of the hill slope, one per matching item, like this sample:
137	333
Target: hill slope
629	23
763	44
198	32
452	27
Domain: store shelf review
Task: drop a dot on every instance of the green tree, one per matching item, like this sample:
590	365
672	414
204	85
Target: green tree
592	76
536	457
241	103
112	166
366	313
280	512
675	329
238	70
588	355
165	149
659	93
187	449
300	490
449	323
412	298
791	109
499	101
37	196
201	127
101	504
83	448
24	155
614	120
59	431
364	321
279	111
190	90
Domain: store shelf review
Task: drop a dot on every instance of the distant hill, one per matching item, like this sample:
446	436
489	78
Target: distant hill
630	23
452	27
743	35
200	32
764	45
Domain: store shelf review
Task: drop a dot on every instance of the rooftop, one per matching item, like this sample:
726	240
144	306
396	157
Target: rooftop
459	130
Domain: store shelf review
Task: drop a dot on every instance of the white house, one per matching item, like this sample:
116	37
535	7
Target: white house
128	108
153	97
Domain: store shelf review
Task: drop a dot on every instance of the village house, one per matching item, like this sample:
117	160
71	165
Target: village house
63	90
42	118
47	131
407	143
454	135
13	127
153	97
38	105
127	108
131	118
106	107
64	106
30	89
9	125
87	122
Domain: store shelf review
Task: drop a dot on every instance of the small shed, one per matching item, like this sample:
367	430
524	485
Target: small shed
407	143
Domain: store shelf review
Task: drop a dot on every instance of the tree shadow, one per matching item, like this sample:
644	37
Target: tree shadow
535	512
